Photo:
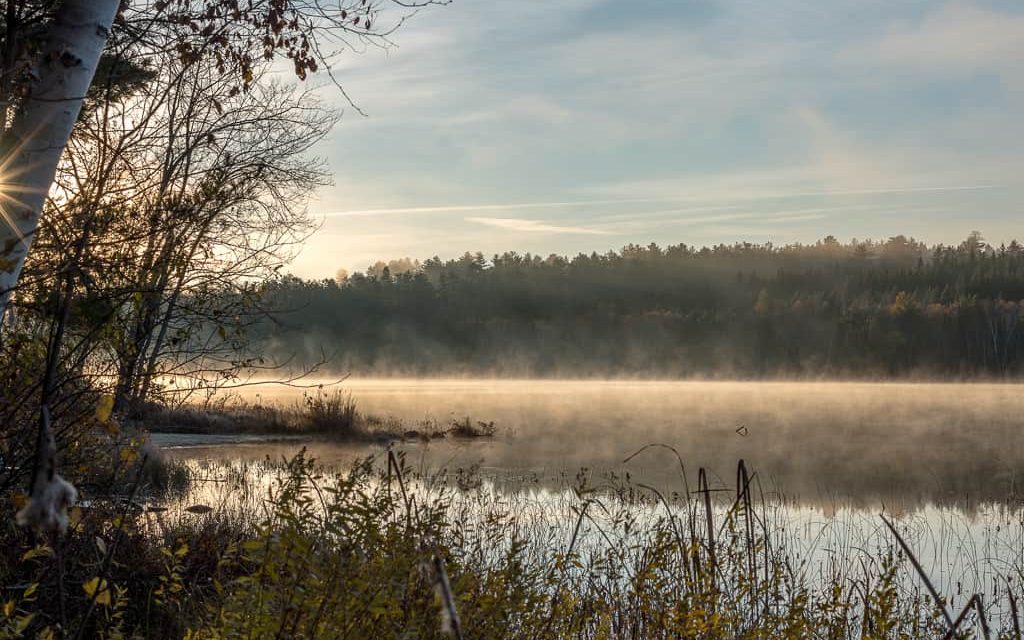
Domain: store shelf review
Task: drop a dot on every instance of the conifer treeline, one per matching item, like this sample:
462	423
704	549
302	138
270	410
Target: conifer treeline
896	308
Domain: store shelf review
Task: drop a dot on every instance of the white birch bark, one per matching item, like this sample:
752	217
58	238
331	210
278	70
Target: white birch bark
41	128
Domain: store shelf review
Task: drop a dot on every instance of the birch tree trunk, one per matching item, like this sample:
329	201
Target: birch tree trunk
41	128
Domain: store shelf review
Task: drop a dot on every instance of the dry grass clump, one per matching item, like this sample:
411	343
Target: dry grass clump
429	429
225	418
467	428
329	412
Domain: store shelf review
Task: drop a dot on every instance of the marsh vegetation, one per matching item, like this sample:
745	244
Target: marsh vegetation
563	526
822	443
331	415
155	169
254	548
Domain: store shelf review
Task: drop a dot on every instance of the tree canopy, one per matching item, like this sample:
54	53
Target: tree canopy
863	308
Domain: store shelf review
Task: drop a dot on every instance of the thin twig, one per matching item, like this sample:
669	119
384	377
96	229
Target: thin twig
1013	611
954	625
920	571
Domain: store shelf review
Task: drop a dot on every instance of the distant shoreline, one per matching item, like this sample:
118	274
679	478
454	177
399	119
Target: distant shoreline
368	380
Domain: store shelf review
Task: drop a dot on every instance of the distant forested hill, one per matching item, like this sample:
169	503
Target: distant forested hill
893	308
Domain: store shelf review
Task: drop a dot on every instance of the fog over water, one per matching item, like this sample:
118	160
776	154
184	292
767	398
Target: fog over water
827	444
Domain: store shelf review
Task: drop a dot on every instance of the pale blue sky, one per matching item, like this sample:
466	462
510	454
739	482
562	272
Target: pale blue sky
580	125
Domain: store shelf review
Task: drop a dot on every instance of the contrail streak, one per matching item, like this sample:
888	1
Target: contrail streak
488	207
533	226
689	199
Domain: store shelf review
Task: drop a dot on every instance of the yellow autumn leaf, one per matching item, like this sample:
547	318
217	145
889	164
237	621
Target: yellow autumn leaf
9	608
22	623
104	408
89	586
129	456
35	552
75	516
97	590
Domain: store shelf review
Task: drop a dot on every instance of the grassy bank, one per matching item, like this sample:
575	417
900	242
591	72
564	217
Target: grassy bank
377	550
330	414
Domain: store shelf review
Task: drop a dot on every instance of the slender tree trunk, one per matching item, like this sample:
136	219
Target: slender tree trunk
146	376
42	127
151	291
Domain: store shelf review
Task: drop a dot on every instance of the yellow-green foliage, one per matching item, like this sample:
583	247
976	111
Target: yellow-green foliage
366	554
354	561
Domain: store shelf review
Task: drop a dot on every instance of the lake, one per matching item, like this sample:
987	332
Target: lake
823	443
944	460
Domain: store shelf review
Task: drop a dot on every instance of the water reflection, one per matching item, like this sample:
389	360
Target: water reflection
963	552
829	458
826	444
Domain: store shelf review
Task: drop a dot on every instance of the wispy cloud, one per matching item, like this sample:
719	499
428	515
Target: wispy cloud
545	126
725	188
535	226
739	210
486	207
959	37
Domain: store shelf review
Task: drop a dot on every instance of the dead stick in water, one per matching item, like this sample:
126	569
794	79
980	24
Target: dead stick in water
702	479
953	626
982	618
1013	611
450	615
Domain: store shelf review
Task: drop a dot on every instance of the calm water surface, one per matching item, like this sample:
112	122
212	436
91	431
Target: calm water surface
944	460
826	444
